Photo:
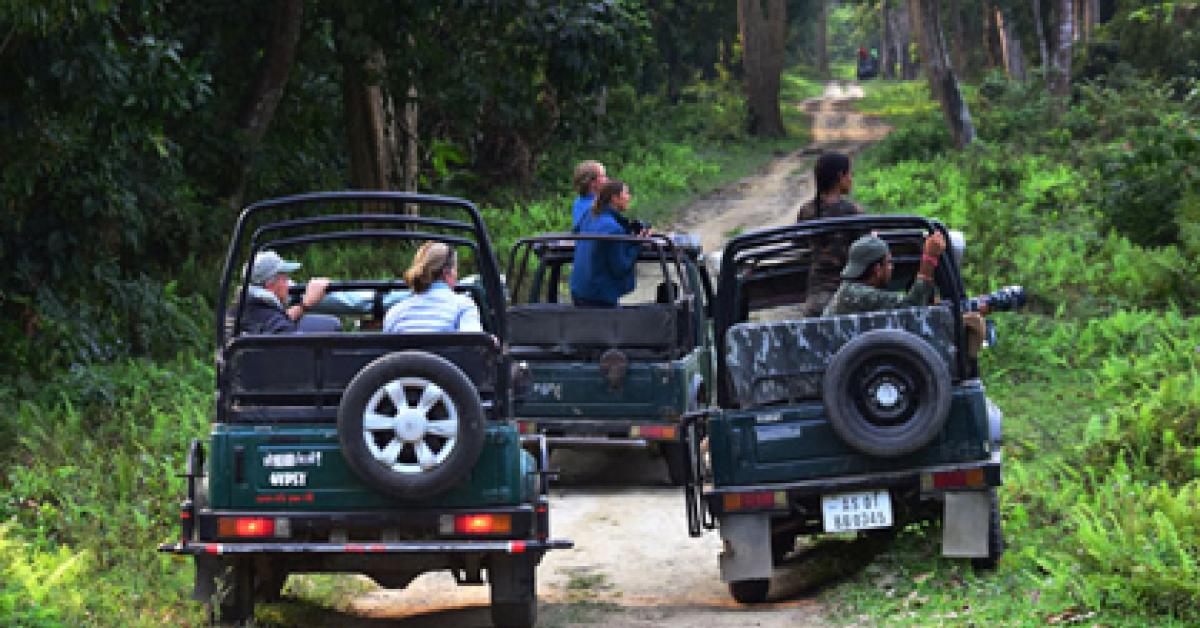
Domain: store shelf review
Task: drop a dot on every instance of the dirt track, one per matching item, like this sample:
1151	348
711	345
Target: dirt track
633	562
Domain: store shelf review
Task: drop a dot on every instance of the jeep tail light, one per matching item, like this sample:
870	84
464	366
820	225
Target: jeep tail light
654	432
526	427
967	478
483	524
253	527
767	500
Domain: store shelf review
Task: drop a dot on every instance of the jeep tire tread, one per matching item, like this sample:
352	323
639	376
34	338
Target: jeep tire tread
750	591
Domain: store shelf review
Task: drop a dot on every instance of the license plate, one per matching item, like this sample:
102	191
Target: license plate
856	511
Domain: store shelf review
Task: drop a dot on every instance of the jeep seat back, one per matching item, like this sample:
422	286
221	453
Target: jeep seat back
784	361
557	330
301	377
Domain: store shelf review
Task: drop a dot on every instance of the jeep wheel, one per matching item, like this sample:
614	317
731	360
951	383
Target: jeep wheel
995	536
233	603
411	424
514	591
887	393
750	591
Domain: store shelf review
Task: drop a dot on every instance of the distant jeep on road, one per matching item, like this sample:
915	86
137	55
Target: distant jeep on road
592	377
857	424
343	448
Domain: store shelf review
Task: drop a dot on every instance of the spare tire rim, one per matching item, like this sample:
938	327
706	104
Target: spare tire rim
885	391
410	425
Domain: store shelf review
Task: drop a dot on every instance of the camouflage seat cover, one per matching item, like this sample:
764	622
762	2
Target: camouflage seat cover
780	361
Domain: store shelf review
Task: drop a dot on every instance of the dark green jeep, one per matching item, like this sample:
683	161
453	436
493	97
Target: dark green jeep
611	377
359	451
859	424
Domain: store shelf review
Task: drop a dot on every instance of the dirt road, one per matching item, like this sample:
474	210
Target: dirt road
633	562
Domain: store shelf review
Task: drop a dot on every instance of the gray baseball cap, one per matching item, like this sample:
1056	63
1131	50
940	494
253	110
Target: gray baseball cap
267	264
865	251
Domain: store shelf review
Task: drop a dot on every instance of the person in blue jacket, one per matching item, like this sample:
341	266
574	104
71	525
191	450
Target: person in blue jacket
604	271
589	178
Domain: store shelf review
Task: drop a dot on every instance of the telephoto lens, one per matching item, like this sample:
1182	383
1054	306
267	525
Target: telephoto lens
1005	299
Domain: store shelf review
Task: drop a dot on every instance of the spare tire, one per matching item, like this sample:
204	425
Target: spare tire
887	393
411	425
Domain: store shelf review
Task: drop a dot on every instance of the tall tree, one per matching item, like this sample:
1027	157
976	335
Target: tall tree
1059	79
942	81
258	107
1010	44
1043	47
823	38
762	29
887	59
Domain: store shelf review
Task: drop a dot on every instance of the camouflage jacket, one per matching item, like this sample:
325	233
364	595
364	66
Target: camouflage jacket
829	251
853	297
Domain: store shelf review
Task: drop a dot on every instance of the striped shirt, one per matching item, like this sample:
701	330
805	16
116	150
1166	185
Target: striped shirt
437	309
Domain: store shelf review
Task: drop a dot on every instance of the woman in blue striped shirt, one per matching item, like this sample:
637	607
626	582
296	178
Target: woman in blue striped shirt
433	305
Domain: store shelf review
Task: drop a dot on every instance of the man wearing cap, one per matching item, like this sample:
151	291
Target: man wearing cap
268	292
869	269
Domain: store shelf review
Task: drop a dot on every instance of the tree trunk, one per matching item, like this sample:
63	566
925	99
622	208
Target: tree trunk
958	36
1014	60
412	156
762	34
1060	72
902	34
887	52
258	109
822	36
942	81
370	125
1043	48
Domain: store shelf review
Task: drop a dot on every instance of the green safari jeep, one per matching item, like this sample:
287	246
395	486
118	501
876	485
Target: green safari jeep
345	449
616	377
854	424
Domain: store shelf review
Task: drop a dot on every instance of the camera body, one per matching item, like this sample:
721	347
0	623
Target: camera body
636	226
1005	299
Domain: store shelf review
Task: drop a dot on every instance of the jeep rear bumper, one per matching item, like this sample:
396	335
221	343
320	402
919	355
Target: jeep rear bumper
405	547
634	433
920	478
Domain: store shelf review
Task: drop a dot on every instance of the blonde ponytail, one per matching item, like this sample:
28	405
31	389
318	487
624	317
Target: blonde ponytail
428	265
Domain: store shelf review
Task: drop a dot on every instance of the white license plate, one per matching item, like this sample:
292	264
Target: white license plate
856	511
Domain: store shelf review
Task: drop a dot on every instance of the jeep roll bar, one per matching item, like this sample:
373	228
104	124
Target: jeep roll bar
478	241
660	244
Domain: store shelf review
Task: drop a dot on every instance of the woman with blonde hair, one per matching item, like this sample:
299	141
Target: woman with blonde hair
433	305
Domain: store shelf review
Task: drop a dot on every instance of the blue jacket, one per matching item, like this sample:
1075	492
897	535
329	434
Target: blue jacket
583	205
263	316
603	271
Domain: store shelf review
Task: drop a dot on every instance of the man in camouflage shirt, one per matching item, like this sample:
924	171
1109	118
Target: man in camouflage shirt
869	269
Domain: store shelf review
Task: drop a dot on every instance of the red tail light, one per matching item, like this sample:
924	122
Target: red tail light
769	500
969	478
654	432
526	427
245	526
483	524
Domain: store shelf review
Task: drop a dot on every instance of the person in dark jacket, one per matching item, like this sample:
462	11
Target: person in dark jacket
604	271
265	311
833	182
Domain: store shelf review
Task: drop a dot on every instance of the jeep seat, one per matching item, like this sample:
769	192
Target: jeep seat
784	361
556	330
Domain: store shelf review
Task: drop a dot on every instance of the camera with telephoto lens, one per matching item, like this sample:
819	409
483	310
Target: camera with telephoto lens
636	226
1005	299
